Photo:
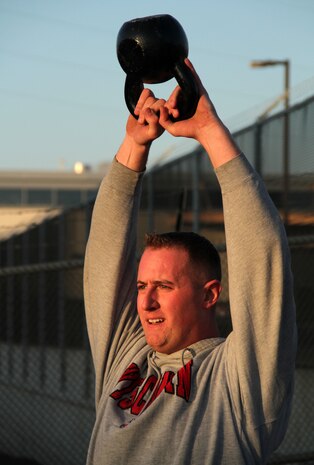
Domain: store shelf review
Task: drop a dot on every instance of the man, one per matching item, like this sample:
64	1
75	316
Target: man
169	391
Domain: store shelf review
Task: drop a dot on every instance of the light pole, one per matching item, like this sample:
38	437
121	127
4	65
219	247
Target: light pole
286	65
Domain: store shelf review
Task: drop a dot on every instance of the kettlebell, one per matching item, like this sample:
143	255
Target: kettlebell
152	50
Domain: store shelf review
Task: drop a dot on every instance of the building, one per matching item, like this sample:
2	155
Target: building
28	198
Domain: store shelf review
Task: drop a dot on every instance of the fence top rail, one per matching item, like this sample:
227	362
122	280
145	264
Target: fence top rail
79	262
300	240
37	267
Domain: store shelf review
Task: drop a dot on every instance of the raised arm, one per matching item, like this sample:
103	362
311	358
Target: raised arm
110	262
261	349
262	346
140	133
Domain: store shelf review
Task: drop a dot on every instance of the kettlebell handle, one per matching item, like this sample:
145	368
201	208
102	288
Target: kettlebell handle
188	98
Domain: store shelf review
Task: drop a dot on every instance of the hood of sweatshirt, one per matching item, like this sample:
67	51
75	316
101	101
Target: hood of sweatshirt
173	362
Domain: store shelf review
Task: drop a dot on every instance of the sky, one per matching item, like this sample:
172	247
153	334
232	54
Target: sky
62	88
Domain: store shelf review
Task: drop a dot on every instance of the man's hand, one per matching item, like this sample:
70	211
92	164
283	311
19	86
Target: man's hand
141	132
204	126
205	115
146	128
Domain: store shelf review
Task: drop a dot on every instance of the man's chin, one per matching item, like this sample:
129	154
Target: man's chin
157	344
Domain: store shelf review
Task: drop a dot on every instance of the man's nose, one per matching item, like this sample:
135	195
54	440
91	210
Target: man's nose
149	301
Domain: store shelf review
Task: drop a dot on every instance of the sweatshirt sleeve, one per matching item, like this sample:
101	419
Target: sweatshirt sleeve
261	348
110	271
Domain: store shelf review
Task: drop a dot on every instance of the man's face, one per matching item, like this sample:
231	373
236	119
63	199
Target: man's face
170	301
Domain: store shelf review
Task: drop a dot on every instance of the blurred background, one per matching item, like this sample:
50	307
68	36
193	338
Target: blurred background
61	86
62	118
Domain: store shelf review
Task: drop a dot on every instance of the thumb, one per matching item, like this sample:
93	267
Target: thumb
165	121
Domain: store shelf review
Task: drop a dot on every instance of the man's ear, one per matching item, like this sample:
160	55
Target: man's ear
212	291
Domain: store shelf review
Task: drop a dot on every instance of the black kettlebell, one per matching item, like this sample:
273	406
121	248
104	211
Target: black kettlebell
152	50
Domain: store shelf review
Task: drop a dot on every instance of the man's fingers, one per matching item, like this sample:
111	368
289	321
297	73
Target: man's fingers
157	105
164	119
196	76
150	116
154	106
146	97
171	103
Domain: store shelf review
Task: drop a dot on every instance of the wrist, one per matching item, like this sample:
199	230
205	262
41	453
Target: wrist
218	143
133	155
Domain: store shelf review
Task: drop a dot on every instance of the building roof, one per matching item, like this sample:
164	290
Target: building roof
51	179
18	220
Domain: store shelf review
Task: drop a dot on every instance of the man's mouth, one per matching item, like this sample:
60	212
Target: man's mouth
155	321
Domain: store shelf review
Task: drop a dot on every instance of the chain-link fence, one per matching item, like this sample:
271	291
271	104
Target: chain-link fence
46	372
298	445
184	193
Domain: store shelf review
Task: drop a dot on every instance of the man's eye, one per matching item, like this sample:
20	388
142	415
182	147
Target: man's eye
164	286
141	287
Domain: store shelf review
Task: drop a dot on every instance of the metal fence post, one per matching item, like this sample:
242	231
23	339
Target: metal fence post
25	306
258	147
61	302
10	307
42	307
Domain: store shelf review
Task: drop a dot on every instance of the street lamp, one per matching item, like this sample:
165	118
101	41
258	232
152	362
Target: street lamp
286	65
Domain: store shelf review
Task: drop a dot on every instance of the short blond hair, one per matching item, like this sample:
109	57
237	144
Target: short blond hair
201	251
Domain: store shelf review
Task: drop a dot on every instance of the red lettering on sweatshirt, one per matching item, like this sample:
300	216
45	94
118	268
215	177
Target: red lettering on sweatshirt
139	402
165	384
127	402
140	393
133	374
184	381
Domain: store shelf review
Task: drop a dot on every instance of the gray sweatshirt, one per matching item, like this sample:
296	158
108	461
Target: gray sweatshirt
219	401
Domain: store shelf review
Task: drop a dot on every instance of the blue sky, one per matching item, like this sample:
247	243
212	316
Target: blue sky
61	86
